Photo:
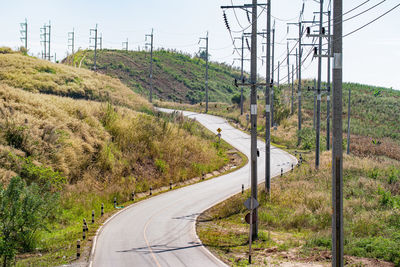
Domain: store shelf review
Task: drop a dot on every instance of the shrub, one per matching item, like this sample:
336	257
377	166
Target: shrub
236	99
15	135
43	176
23	211
161	165
6	50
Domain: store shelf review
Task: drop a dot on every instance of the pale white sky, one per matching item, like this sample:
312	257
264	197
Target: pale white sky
370	55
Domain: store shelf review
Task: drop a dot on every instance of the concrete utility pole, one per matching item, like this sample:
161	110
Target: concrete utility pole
273	75
206	83
242	59
241	76
49	35
292	106
299	63
299	86
253	118
328	98
348	124
269	84
279	68
241	72
95	45
253	112
337	150
24	34
297	67
288	74
125	45
101	41
71	40
43	37
151	63
317	148
315	98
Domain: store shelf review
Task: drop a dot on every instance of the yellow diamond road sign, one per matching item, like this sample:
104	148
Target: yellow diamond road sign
219	130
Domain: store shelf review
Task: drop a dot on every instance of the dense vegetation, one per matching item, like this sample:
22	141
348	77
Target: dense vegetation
88	138
177	76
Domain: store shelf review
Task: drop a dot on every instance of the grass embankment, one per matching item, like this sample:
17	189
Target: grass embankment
295	224
177	77
87	132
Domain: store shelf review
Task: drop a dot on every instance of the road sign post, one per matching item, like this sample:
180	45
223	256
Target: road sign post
251	203
219	135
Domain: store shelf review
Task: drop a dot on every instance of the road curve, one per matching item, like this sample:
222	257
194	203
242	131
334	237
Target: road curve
160	231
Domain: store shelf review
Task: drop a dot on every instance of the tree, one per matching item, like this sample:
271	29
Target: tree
23	211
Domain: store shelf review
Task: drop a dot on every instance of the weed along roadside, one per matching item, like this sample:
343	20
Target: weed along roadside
85	245
295	222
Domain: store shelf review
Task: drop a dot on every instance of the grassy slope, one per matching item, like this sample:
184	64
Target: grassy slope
90	128
177	77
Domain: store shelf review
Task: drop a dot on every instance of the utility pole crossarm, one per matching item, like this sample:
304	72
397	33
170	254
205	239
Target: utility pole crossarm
242	6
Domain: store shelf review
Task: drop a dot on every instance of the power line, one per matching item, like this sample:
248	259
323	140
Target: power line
359	14
285	20
372	21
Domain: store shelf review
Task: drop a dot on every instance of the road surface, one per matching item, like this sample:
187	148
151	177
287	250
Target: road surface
160	231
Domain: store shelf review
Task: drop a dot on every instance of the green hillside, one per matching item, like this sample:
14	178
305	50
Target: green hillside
177	77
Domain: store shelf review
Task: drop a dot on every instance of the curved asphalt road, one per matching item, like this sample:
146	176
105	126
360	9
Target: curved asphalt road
160	231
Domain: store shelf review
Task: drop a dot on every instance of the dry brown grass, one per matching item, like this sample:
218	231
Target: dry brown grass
72	137
40	76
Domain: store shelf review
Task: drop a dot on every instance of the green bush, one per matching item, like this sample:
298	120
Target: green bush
376	247
43	176
24	210
307	136
236	98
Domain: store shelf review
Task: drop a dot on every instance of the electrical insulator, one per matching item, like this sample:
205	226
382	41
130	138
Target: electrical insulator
247	43
226	22
308	30
315	51
323	30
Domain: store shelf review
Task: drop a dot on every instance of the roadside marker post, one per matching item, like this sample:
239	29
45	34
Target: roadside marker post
92	216
78	249
102	209
115	202
83	232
